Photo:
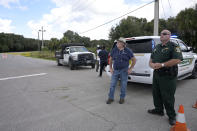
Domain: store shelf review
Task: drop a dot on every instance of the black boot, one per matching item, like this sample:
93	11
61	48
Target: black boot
172	121
121	101
155	112
109	101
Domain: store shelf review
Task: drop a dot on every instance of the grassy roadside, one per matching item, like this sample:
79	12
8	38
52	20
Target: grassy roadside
45	54
49	55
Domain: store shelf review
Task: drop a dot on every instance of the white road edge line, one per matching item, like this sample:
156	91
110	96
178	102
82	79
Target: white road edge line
16	77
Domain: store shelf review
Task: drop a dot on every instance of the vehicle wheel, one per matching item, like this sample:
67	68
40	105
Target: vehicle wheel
194	72
58	62
93	66
71	66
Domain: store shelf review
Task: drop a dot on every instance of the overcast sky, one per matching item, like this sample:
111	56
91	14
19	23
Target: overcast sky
26	17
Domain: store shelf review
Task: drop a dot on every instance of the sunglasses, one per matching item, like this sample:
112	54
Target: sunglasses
165	33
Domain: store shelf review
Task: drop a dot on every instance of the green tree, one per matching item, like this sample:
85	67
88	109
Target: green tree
187	27
129	27
65	40
54	44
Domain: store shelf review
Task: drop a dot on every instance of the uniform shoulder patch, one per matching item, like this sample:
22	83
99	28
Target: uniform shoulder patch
174	44
177	49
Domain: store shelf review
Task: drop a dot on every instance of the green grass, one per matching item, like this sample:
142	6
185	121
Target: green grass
45	54
49	55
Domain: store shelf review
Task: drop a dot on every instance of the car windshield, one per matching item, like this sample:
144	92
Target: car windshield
141	46
78	49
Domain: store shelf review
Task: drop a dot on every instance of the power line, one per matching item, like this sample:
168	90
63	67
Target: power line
170	7
163	9
169	4
76	4
116	18
88	3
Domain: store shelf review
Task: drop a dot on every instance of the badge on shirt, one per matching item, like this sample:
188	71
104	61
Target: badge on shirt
164	50
177	49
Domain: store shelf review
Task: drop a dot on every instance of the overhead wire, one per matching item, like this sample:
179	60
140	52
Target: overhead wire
76	4
170	7
88	3
169	3
163	9
116	18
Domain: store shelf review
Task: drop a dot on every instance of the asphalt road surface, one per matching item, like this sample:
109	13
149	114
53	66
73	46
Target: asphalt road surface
38	95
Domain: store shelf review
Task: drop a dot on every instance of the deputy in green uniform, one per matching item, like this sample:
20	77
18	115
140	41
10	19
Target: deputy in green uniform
164	60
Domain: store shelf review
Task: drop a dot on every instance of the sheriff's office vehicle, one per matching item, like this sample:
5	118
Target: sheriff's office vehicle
75	55
142	48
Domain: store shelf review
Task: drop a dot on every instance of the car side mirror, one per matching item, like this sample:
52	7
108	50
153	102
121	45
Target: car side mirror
190	49
66	52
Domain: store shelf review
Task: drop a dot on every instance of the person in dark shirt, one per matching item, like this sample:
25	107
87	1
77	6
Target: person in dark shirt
164	60
120	57
103	55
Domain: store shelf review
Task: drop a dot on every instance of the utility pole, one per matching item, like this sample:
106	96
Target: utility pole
38	42
156	18
42	36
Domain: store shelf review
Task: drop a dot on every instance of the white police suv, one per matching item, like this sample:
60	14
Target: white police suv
142	48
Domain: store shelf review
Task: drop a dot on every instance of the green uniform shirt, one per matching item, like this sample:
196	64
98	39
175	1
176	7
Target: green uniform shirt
162	53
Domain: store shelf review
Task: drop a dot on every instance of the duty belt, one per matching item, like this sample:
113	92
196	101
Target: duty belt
170	71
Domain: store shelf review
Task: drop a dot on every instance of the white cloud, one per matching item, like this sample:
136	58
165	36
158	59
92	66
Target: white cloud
81	15
6	3
22	7
10	3
5	26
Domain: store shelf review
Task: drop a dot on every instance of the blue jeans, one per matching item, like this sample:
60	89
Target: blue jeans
123	75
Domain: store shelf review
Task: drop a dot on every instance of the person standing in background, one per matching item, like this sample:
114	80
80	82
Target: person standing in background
103	55
97	57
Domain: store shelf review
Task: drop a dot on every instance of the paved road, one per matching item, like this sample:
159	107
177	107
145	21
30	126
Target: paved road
37	95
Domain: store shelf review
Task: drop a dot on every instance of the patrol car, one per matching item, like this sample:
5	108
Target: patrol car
142	48
75	55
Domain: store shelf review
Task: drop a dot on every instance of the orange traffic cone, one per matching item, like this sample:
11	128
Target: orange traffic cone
180	122
195	105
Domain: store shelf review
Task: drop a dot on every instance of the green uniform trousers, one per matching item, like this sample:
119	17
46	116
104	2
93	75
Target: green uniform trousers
164	88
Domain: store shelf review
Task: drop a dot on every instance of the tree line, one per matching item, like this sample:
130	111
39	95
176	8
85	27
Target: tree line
183	25
72	37
12	42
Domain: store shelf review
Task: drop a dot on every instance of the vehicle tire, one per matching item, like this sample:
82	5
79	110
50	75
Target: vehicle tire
71	66
194	72
93	66
58	62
